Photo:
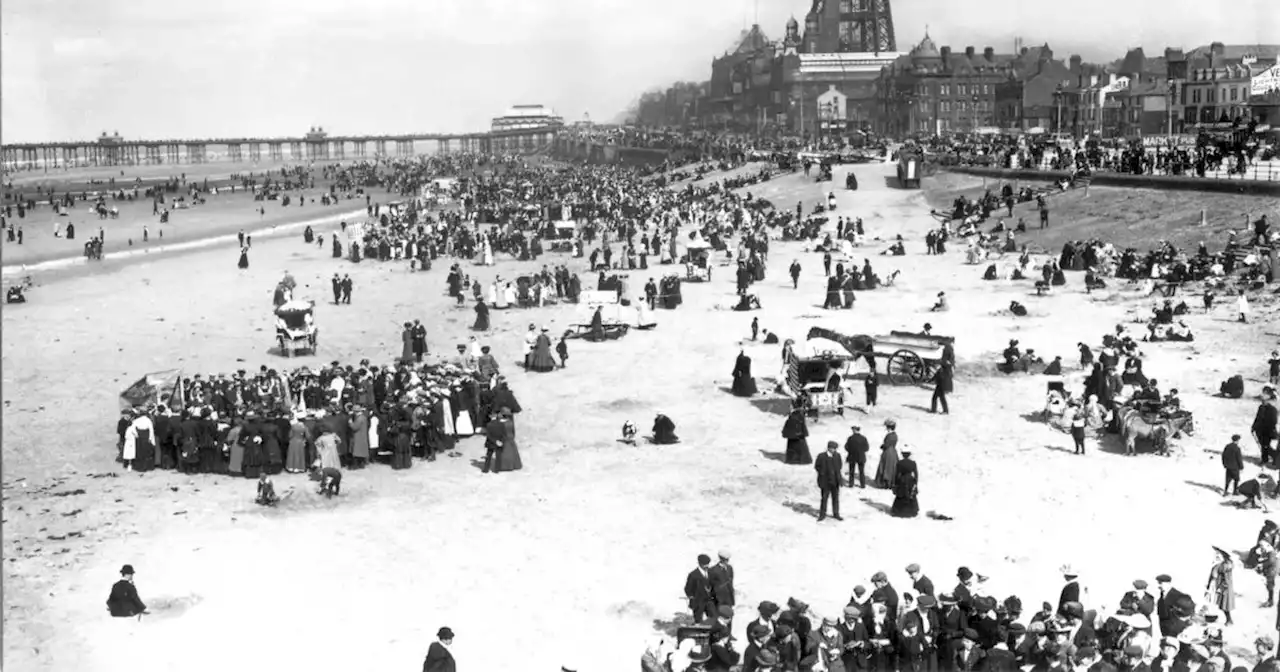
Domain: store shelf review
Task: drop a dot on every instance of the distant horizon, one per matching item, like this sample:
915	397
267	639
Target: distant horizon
74	69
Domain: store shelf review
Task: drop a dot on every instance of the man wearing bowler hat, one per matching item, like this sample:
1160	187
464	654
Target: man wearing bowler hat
721	576
124	601
439	659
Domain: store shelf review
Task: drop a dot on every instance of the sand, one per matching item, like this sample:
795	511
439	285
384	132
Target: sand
222	214
581	556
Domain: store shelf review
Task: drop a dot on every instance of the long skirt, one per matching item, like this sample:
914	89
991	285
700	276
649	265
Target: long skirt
402	455
296	459
905	505
254	459
235	465
798	452
209	457
145	456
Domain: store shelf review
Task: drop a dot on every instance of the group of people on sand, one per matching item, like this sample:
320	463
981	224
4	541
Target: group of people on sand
337	417
1156	625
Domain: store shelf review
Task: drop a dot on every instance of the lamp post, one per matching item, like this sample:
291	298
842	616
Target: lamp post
973	126
1057	101
1168	108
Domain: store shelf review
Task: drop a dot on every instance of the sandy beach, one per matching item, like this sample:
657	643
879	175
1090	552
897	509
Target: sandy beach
223	214
587	547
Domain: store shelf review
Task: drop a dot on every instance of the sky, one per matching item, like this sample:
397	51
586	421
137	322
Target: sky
157	69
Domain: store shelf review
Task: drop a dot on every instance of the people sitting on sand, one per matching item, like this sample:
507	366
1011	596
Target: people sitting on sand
991	273
1093	281
664	430
940	306
898	248
1233	387
1027	361
747	302
123	602
1017	309
629	433
1163	314
1011	353
1055	367
15	295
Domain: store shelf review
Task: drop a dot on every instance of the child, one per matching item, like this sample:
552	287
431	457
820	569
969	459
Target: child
562	349
330	480
266	491
629	433
873	385
1274	364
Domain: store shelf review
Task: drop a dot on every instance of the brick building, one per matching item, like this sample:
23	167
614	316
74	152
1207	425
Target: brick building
935	90
1213	82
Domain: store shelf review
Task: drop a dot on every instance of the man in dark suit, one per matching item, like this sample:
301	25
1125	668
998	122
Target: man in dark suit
1233	464
942	386
925	619
828	467
1169	596
1264	427
721	576
697	589
495	434
438	657
856	447
921	583
952	623
123	601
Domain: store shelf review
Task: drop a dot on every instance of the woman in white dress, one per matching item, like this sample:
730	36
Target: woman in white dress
509	296
493	295
488	253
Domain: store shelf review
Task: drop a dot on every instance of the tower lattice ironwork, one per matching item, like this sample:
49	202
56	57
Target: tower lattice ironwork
872	25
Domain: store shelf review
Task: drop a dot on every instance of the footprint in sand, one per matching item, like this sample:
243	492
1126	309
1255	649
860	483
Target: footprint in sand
165	608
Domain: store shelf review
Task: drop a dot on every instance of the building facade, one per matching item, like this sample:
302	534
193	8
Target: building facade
935	90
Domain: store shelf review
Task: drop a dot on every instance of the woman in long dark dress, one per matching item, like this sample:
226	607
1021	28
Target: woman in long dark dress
482	315
406	343
905	488
541	360
743	384
509	456
795	431
251	436
244	262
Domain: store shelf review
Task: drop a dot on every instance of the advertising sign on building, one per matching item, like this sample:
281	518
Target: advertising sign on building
832	104
1266	81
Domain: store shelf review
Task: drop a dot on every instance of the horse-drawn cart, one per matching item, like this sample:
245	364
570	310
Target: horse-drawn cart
911	358
295	327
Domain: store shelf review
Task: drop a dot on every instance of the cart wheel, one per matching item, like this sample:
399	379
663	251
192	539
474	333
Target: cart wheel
906	368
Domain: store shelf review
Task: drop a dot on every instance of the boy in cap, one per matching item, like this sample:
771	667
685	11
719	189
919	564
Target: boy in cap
768	612
757	641
919	582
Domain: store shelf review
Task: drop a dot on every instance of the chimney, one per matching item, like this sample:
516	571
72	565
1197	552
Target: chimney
1217	49
1023	52
968	52
989	54
1076	61
946	55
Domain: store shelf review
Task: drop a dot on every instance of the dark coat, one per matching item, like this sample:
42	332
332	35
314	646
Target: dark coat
1232	457
857	448
943	380
1070	593
1264	423
698	589
124	601
923	586
721	576
439	659
828	467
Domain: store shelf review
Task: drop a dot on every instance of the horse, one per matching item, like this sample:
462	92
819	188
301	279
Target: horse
1134	426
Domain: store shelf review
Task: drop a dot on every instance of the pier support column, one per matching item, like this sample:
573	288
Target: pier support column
276	151
255	151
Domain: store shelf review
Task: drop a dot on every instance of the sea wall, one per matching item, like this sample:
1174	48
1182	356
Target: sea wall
568	149
1168	182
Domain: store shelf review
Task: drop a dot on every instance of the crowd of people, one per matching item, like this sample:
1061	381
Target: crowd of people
1156	626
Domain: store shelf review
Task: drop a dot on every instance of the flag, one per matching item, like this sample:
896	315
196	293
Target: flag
151	388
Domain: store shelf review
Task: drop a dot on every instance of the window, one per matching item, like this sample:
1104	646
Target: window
945	89
777	97
846	6
849	36
1234	93
960	89
1195	96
